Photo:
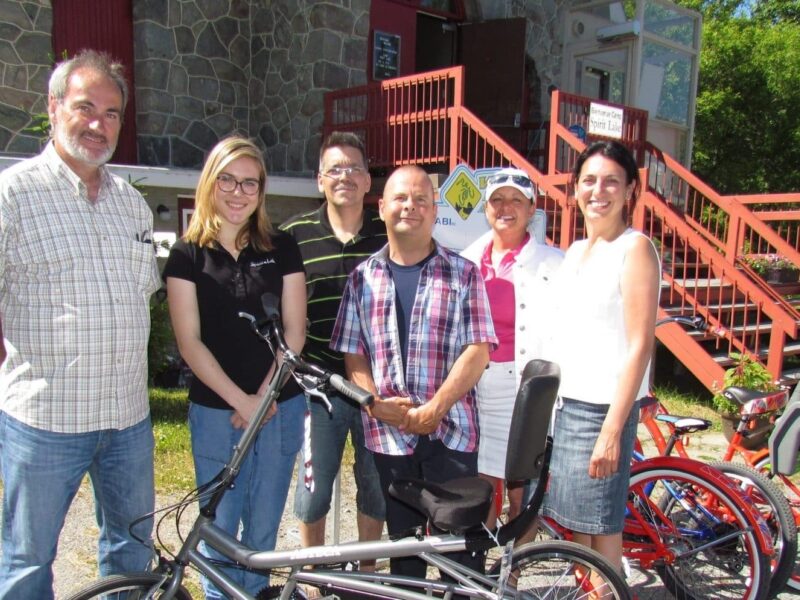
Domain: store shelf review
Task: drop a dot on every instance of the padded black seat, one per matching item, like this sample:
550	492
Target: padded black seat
456	506
742	395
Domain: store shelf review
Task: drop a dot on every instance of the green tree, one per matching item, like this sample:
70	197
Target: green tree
747	127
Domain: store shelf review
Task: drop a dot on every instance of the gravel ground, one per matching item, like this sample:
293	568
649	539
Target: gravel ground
75	564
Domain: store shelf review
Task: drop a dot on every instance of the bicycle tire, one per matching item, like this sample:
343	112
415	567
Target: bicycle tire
553	570
700	568
775	508
127	586
764	466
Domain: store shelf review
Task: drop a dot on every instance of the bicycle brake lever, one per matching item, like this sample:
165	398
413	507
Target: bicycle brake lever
313	390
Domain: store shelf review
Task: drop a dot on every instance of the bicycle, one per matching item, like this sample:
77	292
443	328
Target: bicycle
781	515
458	508
689	523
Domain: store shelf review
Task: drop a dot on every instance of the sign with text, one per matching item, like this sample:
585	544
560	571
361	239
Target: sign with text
385	55
605	120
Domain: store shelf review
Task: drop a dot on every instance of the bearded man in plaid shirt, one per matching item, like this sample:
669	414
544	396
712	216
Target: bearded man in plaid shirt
77	268
416	330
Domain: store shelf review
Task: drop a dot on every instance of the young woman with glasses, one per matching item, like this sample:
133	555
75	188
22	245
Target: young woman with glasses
229	257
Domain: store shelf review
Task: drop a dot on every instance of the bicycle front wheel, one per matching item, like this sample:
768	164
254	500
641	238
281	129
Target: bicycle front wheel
559	569
129	586
777	513
705	544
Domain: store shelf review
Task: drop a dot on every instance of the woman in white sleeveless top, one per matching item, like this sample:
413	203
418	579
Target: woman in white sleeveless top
605	298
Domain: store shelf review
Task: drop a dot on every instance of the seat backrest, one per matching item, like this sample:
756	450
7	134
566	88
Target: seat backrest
784	442
530	421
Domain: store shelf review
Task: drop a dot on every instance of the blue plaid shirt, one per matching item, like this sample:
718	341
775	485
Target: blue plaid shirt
451	310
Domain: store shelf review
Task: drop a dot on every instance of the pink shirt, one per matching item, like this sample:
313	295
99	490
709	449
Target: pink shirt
500	290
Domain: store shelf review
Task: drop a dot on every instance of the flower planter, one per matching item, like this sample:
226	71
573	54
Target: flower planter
782	275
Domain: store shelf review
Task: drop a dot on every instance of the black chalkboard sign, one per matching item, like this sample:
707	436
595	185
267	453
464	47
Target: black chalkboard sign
385	55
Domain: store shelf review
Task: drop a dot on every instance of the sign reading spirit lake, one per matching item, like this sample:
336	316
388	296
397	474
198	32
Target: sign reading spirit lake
605	120
385	55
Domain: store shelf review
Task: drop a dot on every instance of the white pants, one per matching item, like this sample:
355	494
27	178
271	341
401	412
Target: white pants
496	392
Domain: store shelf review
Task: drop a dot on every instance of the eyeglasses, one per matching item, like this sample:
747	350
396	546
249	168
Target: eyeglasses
337	172
519	180
227	183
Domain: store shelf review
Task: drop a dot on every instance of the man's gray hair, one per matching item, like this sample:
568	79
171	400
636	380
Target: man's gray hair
91	59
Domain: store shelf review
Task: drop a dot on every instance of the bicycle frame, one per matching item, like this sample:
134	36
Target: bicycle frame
430	548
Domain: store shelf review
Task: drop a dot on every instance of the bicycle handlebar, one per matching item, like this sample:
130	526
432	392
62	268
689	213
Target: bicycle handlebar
696	322
270	329
350	389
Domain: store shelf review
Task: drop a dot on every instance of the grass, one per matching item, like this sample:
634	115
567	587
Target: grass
174	468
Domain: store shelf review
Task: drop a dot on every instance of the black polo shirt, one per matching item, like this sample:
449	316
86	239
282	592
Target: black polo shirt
226	286
328	262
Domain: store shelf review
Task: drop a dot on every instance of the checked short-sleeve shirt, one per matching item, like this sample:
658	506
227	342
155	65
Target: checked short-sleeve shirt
450	311
75	281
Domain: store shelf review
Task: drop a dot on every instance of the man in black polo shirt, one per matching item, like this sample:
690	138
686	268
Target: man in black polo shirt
333	241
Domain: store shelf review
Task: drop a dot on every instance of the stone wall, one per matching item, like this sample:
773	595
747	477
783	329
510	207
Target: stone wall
25	63
302	49
192	77
206	68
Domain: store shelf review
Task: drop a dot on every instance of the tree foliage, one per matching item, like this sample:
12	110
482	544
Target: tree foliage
747	128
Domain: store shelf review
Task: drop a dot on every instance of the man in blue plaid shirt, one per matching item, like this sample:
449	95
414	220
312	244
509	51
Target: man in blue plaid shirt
416	330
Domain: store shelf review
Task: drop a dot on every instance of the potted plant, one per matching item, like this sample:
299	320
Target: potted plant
746	372
773	268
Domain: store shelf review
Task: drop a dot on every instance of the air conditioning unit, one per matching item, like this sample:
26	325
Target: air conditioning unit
619	30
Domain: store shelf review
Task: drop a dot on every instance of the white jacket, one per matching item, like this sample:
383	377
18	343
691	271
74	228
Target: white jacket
534	269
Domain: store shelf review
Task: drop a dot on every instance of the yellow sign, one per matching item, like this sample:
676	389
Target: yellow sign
463	195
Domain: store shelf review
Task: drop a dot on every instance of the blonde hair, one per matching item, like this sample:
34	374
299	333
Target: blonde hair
205	224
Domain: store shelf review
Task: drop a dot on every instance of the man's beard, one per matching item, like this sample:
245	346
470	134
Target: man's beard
78	152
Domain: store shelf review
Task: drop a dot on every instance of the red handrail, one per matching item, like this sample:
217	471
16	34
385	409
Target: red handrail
723	220
403	120
421	119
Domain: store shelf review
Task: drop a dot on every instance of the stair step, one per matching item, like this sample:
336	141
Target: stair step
699	283
789	349
793	373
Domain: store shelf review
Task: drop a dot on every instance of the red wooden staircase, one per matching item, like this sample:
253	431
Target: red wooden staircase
702	236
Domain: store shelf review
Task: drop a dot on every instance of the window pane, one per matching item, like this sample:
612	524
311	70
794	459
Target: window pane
664	82
669	23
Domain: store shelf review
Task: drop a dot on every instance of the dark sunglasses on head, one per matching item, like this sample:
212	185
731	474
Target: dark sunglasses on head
520	180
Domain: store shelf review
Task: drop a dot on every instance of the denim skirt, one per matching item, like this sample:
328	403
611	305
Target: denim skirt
573	499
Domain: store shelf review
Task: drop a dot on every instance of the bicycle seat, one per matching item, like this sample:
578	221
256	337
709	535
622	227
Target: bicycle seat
455	506
684	425
755	402
784	443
